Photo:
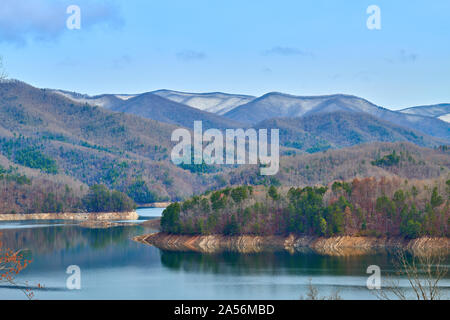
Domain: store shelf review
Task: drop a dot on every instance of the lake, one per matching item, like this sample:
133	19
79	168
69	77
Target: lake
115	267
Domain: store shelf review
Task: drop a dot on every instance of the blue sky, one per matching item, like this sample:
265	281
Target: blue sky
249	47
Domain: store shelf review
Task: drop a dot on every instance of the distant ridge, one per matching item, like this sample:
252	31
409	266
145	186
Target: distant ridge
152	106
441	111
334	130
275	105
222	110
216	102
107	101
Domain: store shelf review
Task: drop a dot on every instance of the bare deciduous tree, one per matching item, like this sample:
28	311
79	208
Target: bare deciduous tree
313	294
423	271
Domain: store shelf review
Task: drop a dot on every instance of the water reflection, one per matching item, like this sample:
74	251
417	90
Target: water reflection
274	263
115	267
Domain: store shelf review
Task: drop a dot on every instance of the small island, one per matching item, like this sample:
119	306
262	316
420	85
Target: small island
344	217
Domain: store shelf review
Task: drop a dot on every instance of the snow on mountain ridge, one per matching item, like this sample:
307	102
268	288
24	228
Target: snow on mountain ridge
445	117
81	98
277	105
107	101
440	111
215	102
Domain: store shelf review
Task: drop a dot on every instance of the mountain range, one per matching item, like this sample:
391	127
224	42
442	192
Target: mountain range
335	130
221	110
123	140
152	106
216	102
282	105
88	144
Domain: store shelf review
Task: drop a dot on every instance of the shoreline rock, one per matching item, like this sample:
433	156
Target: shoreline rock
335	246
97	216
102	224
155	205
152	223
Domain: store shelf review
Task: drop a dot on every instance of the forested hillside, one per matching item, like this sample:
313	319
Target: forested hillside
337	130
43	130
20	193
412	162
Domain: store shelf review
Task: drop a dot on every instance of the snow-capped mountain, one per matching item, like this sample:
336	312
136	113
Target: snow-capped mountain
273	105
215	102
441	111
152	106
222	107
107	101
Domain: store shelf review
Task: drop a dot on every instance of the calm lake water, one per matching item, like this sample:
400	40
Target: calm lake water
115	267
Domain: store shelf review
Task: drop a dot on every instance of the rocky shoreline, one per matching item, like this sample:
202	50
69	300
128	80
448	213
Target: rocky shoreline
335	246
154	224
97	216
155	205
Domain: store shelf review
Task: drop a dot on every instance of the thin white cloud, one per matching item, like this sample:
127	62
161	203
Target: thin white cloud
286	51
68	62
407	56
189	55
122	61
364	75
267	70
404	56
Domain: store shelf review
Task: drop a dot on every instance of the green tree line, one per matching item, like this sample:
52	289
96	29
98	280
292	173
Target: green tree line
320	210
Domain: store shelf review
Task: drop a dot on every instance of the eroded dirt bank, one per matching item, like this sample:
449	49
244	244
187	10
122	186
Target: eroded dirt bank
341	246
100	216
